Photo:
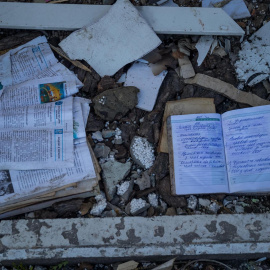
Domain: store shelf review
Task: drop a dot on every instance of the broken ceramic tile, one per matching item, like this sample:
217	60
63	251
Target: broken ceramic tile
120	37
254	62
140	75
237	9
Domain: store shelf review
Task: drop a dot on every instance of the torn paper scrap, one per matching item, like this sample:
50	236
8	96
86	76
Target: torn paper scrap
237	9
203	46
120	37
140	75
227	90
253	65
180	107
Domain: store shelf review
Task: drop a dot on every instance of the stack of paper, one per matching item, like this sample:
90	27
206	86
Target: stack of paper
44	152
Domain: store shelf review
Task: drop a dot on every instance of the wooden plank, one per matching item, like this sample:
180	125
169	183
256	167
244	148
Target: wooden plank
164	20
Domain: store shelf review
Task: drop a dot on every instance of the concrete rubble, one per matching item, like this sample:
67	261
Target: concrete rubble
113	173
117	101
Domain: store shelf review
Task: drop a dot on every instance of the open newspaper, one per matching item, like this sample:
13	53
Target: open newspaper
43	147
17	185
32	60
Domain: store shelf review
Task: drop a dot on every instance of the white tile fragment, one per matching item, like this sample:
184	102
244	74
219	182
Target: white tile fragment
237	9
141	76
203	46
254	58
118	38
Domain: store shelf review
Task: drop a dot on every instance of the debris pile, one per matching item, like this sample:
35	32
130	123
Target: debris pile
133	80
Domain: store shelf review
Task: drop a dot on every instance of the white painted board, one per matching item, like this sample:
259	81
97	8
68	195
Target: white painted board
163	20
141	76
237	9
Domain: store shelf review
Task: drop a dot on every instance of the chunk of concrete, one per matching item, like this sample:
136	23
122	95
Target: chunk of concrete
115	101
144	182
124	190
113	173
118	38
101	150
138	206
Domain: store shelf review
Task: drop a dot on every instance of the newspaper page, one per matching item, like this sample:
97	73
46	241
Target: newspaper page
78	118
5	71
15	185
37	137
38	91
31	58
57	70
85	108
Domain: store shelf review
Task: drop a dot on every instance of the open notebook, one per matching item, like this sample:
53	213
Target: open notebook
213	153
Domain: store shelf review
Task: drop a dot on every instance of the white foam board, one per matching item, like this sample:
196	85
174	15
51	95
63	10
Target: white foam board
118	38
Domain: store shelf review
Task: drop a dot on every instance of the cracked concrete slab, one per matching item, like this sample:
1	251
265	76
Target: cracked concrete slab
120	239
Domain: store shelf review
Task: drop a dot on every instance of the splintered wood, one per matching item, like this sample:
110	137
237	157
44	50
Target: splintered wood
227	90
